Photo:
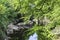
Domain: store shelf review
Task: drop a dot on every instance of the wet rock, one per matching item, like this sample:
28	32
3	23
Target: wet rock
11	27
56	30
18	29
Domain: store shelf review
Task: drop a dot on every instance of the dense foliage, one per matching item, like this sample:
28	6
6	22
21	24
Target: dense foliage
38	8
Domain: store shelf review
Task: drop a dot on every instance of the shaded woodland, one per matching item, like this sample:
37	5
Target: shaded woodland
21	18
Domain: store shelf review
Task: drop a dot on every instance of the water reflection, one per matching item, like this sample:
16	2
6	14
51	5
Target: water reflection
33	37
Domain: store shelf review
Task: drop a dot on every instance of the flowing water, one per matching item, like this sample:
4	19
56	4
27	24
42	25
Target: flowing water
33	37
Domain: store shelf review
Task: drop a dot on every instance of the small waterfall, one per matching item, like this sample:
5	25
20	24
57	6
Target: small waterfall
33	37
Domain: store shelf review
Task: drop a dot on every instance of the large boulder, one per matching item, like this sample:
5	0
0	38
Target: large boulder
18	29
